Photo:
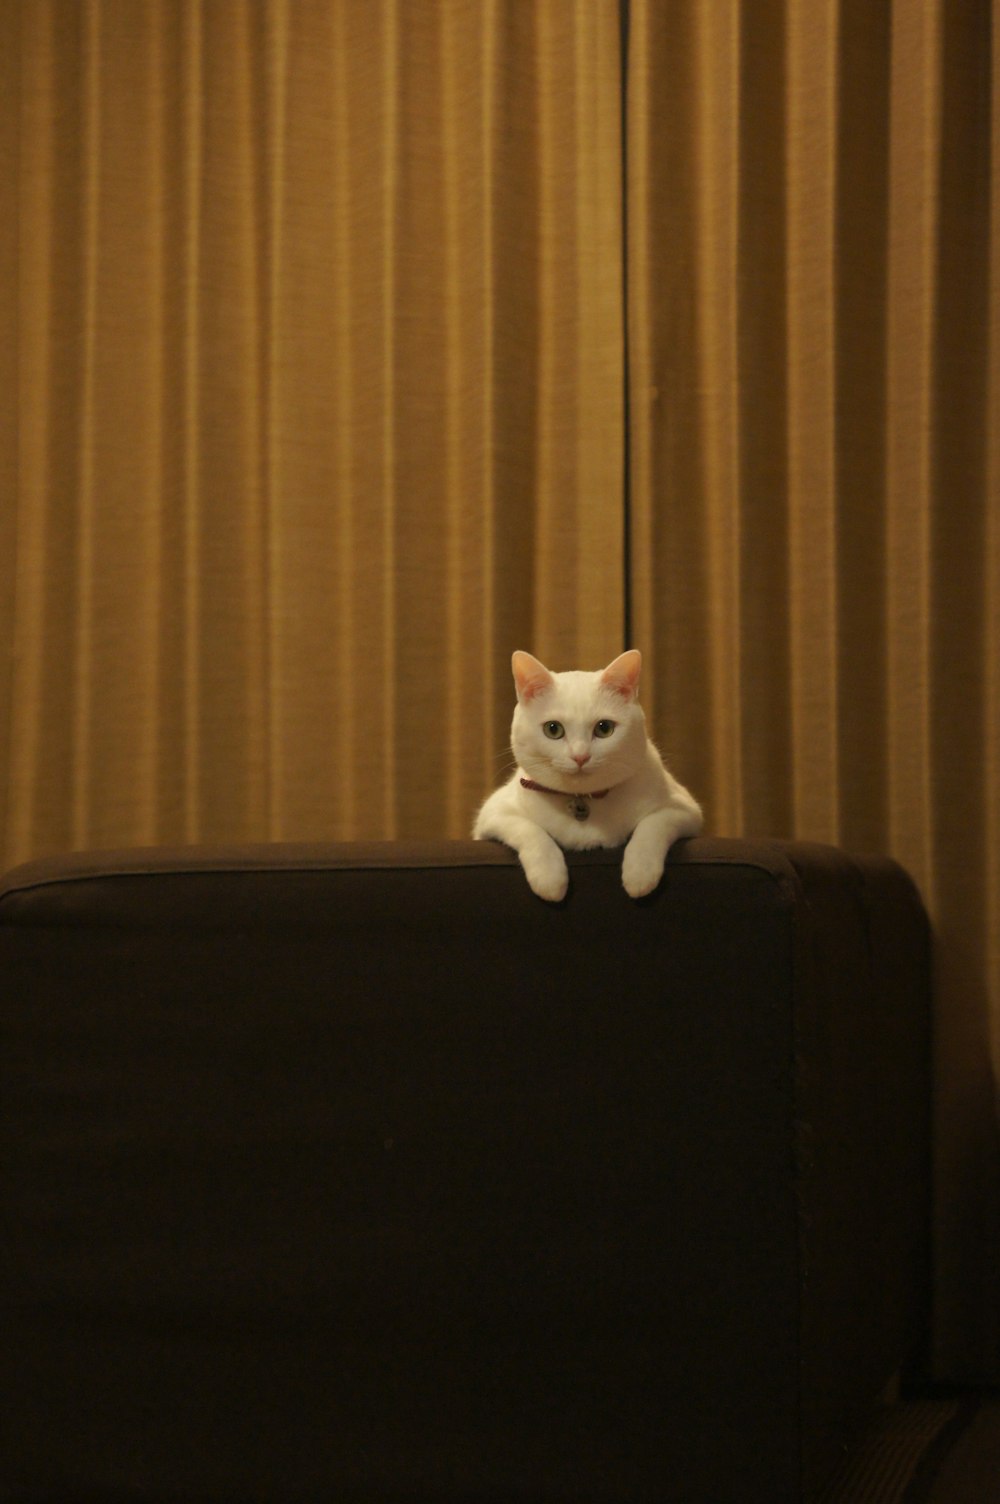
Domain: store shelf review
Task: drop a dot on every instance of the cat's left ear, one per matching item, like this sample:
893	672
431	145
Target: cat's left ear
622	676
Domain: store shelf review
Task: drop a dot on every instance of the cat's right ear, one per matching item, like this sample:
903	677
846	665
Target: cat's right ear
622	676
531	677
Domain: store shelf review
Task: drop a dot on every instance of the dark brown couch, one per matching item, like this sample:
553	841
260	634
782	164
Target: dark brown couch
357	1173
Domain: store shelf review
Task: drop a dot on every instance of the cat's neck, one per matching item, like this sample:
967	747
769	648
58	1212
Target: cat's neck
540	788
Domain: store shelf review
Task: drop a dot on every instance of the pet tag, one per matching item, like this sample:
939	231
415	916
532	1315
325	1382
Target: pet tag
580	809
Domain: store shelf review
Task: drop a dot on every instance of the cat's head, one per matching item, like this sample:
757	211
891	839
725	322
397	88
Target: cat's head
578	731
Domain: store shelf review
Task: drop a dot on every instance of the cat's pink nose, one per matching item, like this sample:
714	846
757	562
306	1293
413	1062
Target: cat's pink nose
580	758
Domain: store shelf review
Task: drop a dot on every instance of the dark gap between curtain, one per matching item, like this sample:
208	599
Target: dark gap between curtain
624	23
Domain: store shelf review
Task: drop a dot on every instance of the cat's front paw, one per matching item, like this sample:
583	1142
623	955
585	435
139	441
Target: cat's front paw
546	873
641	872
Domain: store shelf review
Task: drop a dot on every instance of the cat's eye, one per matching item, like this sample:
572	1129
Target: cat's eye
604	728
554	730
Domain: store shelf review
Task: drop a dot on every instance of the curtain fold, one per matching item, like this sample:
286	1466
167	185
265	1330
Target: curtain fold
313	340
815	423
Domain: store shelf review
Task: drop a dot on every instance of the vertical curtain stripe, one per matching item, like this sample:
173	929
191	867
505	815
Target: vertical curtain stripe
346	463
153	547
861	291
192	159
766	754
914	129
715	166
458	604
812	166
36	566
624	30
249	115
277	51
391	288
483	668
83	635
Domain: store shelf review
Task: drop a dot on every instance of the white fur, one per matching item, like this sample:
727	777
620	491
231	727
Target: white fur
646	806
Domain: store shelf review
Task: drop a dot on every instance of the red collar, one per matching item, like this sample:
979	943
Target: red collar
529	783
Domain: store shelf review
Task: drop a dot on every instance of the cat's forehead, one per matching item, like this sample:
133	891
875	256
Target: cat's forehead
577	692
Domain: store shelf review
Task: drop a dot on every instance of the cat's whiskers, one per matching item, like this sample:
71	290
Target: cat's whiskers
506	759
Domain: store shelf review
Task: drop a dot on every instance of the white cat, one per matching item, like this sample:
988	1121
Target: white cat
587	775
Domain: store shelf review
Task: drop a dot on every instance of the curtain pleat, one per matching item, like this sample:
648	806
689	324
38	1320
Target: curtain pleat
815	423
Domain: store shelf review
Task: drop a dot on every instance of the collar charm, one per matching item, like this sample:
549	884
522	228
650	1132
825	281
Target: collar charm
578	804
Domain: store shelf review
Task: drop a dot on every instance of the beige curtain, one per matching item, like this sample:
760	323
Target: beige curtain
318	399
316	360
815	422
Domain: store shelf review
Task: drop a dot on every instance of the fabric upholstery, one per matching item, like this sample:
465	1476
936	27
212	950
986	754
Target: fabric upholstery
356	1172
